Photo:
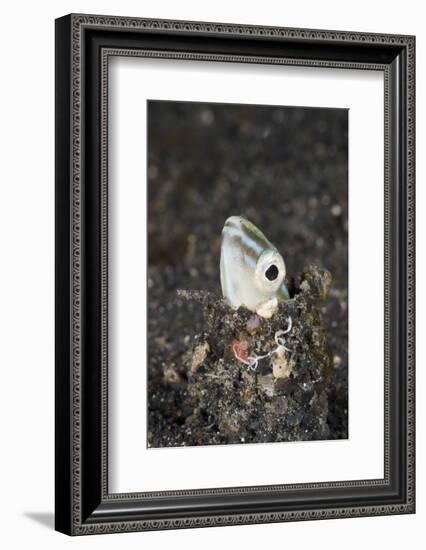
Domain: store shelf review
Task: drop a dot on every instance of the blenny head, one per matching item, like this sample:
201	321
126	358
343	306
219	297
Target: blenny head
252	271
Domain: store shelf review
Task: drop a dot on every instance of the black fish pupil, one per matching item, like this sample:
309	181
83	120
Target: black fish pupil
272	272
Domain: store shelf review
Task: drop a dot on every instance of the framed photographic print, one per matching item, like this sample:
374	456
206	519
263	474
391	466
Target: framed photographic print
234	274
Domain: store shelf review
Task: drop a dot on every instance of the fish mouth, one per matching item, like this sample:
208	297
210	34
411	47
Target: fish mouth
233	222
233	228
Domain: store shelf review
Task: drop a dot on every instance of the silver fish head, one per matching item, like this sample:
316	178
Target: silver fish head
252	271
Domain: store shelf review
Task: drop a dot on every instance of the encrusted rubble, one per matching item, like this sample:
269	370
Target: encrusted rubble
251	379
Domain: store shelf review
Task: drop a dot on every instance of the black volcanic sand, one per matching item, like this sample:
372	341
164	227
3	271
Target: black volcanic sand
285	169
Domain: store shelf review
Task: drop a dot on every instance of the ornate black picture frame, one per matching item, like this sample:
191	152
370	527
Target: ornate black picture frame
84	43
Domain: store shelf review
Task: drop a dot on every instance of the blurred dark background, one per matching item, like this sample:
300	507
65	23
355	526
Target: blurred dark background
284	168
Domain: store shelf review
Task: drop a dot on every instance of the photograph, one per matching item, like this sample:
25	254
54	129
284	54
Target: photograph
247	307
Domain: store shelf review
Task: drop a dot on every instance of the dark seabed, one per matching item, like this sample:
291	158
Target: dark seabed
285	169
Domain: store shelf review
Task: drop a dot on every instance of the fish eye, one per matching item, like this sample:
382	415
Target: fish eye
272	272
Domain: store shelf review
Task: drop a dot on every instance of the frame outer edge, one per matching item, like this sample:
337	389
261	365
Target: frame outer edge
411	271
63	495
